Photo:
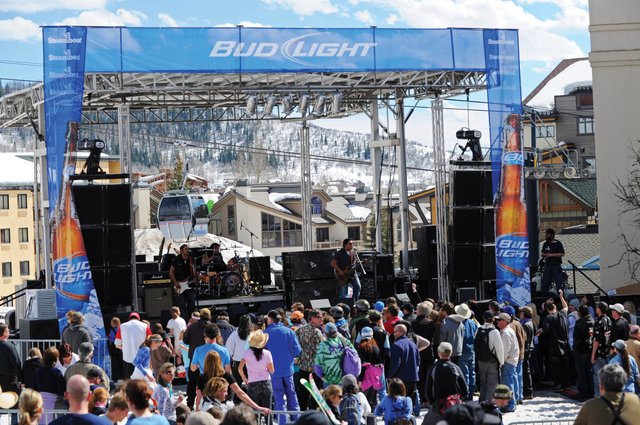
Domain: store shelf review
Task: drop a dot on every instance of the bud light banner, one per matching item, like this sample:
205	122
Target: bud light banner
63	87
504	97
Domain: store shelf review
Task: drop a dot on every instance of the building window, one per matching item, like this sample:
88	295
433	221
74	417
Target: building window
277	232
271	231
24	268
322	234
6	269
231	219
316	205
4	202
584	101
353	232
22	201
291	233
399	230
5	236
23	234
544	131
585	125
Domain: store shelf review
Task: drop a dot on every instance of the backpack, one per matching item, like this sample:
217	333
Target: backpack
351	364
481	345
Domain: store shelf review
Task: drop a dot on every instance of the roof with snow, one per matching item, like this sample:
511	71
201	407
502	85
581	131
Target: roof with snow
570	73
340	208
15	171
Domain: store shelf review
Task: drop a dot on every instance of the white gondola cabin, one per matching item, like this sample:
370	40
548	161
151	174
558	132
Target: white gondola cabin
182	216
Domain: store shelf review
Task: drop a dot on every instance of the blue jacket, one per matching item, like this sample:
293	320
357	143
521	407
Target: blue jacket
405	360
470	329
284	347
630	386
393	408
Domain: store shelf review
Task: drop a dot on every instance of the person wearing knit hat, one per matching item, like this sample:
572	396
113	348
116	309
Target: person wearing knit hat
359	320
502	395
379	306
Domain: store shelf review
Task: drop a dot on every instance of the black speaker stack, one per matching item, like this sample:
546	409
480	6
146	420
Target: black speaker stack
308	275
379	280
472	235
427	281
105	218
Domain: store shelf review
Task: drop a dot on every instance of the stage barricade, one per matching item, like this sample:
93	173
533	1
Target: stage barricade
7	414
24	345
545	422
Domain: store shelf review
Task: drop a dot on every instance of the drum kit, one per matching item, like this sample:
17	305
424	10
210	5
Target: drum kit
233	282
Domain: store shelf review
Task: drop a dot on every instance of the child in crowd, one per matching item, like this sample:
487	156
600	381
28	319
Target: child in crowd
215	394
333	395
354	405
396	405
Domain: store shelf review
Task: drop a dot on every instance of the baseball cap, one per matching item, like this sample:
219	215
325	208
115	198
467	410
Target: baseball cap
336	312
330	329
134	314
366	333
634	329
575	303
505	317
619	345
363	305
379	305
349	381
93	373
445	347
617	307
297	315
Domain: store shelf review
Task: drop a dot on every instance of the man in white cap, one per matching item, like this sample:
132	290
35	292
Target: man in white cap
508	371
451	385
468	357
620	326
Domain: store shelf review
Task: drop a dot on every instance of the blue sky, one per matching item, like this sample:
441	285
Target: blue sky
550	30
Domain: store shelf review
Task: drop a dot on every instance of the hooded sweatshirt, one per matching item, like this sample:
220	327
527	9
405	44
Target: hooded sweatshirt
74	335
393	408
452	331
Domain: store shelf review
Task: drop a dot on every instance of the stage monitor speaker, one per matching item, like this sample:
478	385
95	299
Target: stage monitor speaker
305	265
467	225
487	191
488	226
113	287
466	293
468	188
39	329
488	262
427	252
260	270
157	299
467	262
307	290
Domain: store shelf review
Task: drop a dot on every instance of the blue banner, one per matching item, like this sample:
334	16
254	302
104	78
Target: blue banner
505	106
64	55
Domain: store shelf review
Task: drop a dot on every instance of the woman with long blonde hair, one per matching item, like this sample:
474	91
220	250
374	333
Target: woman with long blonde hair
30	406
213	369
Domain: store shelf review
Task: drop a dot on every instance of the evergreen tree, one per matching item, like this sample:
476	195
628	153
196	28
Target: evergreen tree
177	176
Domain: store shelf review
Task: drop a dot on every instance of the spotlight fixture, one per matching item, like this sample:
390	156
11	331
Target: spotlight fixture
251	105
287	105
95	147
473	143
270	103
336	103
318	106
304	104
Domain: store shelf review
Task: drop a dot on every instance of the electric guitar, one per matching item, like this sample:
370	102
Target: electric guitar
185	285
348	273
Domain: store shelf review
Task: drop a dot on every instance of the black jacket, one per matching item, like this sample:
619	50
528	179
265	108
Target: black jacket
582	341
450	381
10	367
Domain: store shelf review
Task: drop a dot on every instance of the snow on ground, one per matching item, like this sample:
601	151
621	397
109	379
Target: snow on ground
546	405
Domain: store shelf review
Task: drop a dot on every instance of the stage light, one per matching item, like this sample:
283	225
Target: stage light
287	105
304	104
336	103
251	105
318	106
268	107
473	143
92	164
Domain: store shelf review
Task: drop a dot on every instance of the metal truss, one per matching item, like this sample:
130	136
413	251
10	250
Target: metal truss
162	97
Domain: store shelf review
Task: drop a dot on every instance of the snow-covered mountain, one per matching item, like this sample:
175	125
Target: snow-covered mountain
259	151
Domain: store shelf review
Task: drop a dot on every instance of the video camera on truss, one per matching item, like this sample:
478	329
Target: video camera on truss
473	143
92	164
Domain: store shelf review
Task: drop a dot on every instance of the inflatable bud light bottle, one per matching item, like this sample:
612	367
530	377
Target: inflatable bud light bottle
71	271
512	242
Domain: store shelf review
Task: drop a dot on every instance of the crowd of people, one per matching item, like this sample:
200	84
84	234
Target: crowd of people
389	360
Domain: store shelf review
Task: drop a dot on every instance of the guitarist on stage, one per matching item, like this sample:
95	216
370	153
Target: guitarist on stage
344	266
182	270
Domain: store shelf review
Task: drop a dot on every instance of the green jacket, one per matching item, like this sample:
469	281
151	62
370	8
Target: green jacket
328	362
